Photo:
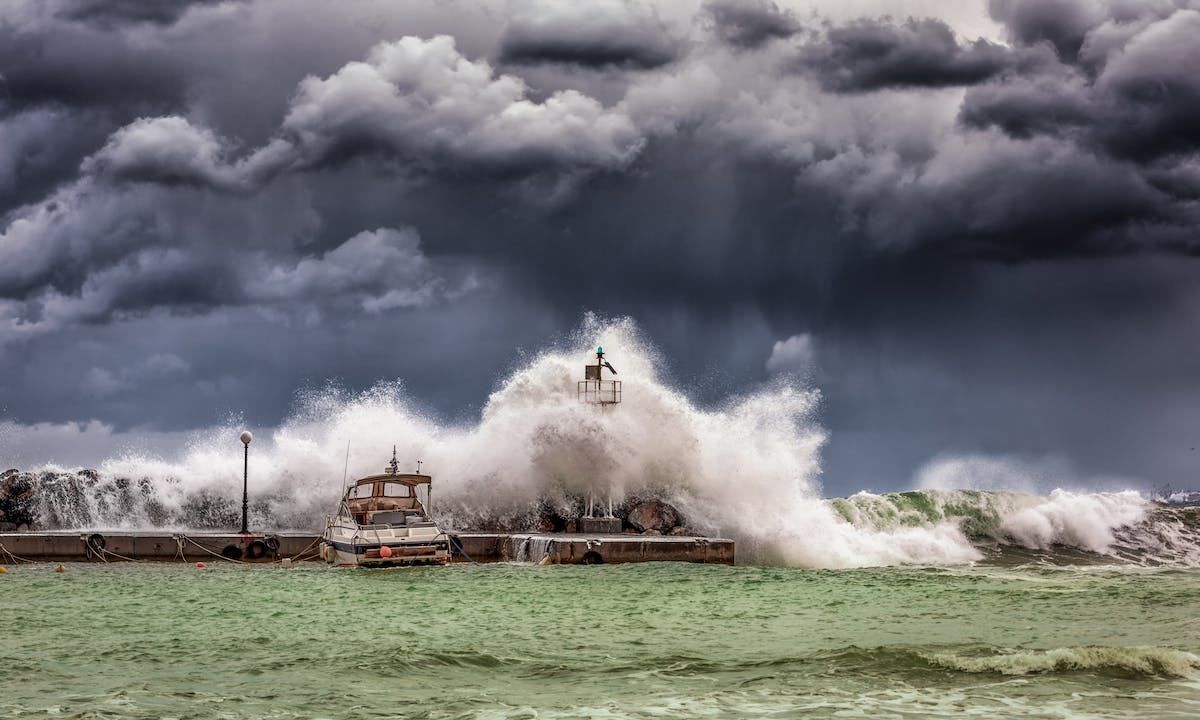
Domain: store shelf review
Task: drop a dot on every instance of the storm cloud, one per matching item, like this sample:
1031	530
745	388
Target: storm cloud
750	23
974	232
873	54
606	34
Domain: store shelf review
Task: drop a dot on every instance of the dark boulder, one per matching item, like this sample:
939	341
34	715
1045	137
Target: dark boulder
653	515
17	501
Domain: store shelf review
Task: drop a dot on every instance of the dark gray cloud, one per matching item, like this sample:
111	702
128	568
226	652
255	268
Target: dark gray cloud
1054	105
1138	99
750	23
969	246
873	54
609	34
1062	23
76	66
109	13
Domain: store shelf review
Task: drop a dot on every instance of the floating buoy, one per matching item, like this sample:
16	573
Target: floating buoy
200	566
59	568
385	552
3	570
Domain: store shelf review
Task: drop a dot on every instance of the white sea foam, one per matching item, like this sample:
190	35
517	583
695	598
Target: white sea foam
1138	661
1085	521
747	469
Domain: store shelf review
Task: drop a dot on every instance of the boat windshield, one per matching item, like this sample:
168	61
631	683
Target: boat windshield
395	490
372	489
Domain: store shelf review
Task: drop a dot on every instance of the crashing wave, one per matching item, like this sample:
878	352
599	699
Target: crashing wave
748	469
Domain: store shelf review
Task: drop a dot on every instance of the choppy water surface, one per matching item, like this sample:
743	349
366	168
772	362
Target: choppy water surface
636	641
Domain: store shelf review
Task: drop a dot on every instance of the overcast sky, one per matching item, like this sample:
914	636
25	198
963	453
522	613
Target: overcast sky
972	226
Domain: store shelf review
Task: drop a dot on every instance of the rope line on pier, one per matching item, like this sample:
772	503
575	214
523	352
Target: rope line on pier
15	558
210	552
300	555
454	542
104	552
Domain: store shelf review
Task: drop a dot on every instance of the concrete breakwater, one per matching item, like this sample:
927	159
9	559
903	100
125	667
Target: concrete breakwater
554	548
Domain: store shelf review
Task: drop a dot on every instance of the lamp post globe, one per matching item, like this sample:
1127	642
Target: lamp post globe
246	437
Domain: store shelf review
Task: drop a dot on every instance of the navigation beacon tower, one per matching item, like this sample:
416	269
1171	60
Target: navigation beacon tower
595	390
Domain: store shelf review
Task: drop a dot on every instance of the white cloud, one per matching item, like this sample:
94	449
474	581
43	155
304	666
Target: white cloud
103	382
82	444
381	269
1012	473
424	101
166	150
795	354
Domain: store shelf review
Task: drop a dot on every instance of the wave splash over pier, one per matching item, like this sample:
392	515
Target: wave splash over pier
748	469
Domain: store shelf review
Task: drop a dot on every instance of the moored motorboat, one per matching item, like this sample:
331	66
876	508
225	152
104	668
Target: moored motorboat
383	521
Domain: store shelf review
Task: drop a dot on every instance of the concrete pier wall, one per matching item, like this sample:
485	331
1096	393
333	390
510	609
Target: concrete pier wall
481	547
181	547
563	548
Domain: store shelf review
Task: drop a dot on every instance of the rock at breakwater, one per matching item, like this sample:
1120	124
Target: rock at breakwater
653	515
17	499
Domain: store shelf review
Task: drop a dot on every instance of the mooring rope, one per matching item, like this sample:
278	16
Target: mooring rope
104	552
300	555
460	549
210	552
15	558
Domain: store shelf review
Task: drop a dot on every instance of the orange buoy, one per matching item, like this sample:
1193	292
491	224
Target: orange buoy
200	566
59	568
385	552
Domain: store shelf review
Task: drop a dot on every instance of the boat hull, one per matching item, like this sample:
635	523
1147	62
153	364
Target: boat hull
344	554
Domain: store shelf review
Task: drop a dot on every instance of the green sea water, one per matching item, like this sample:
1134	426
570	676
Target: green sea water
658	640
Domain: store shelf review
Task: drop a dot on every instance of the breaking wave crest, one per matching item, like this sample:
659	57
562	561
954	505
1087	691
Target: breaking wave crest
1128	662
1064	527
748	469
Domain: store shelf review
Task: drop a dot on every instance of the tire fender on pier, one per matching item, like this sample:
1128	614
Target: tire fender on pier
256	550
95	544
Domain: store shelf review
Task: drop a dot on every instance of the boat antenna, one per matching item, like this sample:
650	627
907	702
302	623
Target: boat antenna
346	469
418	467
394	464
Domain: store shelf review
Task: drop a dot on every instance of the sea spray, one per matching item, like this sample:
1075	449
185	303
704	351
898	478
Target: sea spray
747	468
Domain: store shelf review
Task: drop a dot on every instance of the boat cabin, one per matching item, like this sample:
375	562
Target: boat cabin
385	498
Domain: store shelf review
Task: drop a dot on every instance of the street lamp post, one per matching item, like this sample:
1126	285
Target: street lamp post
246	438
